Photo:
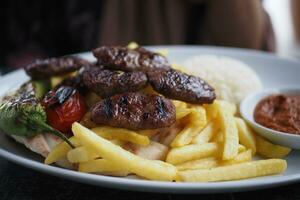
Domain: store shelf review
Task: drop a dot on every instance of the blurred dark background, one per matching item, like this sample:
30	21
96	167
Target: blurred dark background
36	29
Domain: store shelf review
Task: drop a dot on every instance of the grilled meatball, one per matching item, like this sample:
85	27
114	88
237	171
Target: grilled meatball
41	69
134	111
177	85
106	83
122	58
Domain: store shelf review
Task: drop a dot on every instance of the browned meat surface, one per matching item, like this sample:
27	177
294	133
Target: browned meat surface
177	85
106	83
45	68
134	111
122	58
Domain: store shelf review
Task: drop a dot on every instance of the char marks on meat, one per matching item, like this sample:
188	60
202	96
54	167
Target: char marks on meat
134	111
106	83
45	68
177	85
122	58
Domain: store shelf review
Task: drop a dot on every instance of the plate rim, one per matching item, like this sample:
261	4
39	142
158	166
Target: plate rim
161	187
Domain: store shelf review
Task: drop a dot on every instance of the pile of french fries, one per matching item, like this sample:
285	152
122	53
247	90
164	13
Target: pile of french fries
213	144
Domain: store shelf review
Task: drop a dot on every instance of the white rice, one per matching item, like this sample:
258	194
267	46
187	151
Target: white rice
232	79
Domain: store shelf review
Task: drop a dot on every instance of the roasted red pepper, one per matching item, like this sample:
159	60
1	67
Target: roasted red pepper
63	107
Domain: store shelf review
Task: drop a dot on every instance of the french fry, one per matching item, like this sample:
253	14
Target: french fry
241	157
204	163
192	152
206	134
182	112
235	172
211	162
81	154
229	129
212	110
60	151
163	52
196	124
179	67
179	104
246	136
150	169
181	109
112	133
218	137
149	90
241	148
132	45
269	150
99	165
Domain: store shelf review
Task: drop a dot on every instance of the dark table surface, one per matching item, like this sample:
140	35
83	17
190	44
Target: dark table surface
17	182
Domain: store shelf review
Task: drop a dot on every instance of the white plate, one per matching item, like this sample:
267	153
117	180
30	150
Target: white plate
273	71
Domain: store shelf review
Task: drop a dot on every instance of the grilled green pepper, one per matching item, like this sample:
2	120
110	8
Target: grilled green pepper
22	114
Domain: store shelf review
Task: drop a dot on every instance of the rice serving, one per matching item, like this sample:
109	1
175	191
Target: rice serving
232	79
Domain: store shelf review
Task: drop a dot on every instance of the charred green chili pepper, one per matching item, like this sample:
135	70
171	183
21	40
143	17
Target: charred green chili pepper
22	114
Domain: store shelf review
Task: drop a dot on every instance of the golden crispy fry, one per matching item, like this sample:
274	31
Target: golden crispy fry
269	150
150	169
179	67
99	165
163	52
204	163
197	121
60	151
149	90
81	154
182	112
191	152
218	137
211	162
246	136
55	80
206	134
241	157
179	104
229	129
132	45
112	133
212	110
241	148
235	172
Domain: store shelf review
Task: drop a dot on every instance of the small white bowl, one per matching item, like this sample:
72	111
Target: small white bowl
247	108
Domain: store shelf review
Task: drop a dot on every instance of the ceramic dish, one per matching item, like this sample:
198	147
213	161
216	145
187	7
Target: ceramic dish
273	71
